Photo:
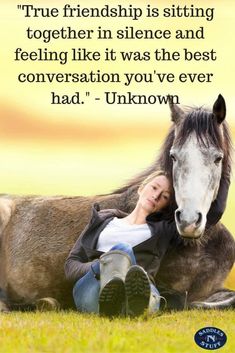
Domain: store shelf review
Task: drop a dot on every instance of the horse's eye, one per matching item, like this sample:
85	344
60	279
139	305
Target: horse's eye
218	160
173	157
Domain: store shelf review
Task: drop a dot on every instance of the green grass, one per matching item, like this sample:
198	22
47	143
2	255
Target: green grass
70	332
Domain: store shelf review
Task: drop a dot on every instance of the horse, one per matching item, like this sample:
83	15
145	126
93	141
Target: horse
38	232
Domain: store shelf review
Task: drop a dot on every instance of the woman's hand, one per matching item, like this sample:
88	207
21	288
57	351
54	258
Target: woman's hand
112	211
95	268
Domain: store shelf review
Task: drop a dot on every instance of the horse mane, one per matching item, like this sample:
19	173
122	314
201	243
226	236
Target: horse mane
208	132
199	121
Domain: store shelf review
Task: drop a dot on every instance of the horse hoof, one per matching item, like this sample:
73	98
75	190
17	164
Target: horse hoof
4	308
47	304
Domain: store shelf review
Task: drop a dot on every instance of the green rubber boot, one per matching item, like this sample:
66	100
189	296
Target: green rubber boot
140	298
113	268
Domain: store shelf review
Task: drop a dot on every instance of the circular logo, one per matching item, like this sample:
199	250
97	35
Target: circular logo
210	338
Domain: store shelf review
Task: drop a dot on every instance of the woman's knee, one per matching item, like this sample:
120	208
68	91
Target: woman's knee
123	247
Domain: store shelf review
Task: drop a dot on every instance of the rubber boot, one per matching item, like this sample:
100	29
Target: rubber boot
138	291
140	296
113	268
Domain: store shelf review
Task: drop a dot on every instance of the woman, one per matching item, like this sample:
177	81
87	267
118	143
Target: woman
142	235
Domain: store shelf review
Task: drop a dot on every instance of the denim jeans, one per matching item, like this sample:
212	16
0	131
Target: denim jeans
86	290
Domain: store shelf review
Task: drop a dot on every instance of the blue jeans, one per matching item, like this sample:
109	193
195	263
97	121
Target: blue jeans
86	290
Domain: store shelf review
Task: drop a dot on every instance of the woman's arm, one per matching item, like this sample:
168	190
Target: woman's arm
77	264
166	236
218	206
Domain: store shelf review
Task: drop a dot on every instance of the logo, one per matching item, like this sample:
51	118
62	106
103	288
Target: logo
210	338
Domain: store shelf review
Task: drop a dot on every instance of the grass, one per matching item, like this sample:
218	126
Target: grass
70	332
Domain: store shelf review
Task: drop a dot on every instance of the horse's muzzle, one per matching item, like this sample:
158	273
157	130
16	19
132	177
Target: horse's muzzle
189	226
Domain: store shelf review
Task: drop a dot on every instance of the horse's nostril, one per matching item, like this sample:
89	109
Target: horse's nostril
199	220
177	215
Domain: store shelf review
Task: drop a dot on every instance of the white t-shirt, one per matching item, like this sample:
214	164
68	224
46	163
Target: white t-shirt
119	231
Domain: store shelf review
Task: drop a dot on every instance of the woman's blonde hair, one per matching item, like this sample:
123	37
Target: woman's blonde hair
152	176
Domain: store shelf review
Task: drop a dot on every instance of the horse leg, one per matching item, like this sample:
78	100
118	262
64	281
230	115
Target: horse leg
4	308
47	304
43	304
221	299
5	215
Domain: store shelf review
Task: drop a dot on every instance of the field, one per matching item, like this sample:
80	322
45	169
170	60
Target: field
69	332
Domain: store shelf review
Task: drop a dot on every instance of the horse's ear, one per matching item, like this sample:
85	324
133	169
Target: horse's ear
177	114
219	109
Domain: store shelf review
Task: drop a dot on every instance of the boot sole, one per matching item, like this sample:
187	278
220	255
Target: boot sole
112	297
137	291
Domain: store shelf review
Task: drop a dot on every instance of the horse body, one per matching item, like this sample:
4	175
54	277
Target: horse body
37	233
33	263
199	269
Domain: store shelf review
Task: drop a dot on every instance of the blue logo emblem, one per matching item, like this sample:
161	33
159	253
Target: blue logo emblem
210	338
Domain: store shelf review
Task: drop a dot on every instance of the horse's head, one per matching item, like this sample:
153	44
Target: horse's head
197	155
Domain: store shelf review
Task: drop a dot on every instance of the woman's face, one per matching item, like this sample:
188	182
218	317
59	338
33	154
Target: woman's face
155	195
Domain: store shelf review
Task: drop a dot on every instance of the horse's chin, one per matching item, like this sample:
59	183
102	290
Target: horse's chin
190	237
193	235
